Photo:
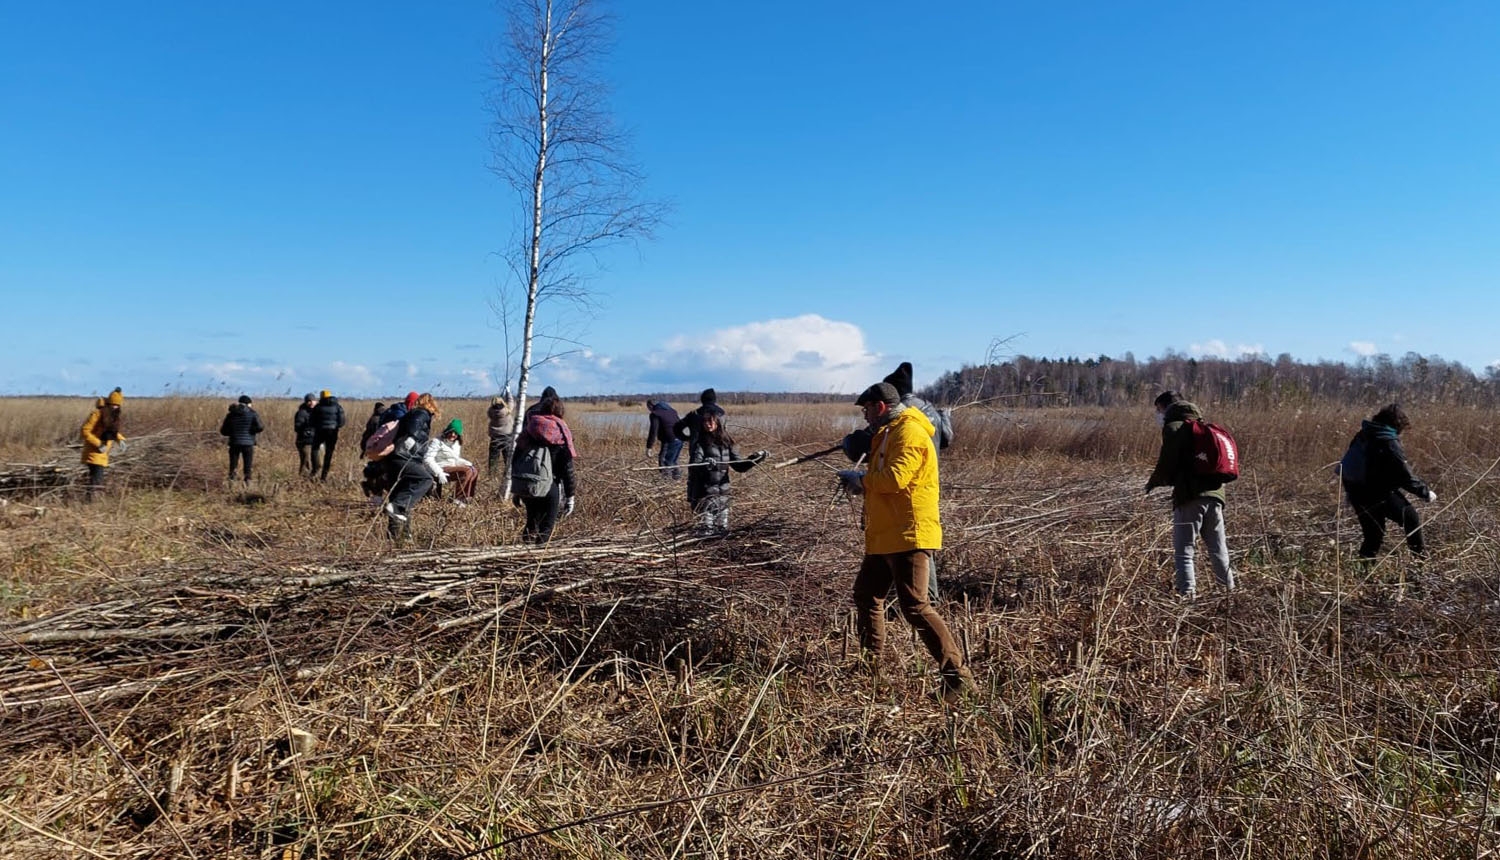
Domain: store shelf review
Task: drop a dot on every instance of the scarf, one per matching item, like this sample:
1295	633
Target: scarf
550	430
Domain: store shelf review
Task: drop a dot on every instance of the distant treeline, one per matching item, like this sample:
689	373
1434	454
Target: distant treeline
1252	380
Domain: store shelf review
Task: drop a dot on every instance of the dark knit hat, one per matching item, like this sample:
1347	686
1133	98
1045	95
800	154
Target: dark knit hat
1167	398
708	396
245	399
880	392
309	397
900	378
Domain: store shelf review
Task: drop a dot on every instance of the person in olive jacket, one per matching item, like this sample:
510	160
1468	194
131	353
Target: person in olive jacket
1374	471
241	425
303	427
327	420
1197	500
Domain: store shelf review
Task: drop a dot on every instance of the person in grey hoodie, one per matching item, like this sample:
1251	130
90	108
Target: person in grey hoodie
241	425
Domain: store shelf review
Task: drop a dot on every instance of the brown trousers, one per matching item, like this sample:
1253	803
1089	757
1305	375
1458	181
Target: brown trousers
464	480
908	571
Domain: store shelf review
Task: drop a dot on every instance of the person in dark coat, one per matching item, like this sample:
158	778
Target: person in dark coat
371	424
1374	471
241	425
711	457
412	467
303	427
327	420
663	419
548	393
857	444
502	440
1197	500
545	427
691	423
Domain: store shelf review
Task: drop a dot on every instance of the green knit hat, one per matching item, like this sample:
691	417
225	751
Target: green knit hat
456	425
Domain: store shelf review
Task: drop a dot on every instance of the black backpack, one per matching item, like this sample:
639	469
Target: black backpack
1354	467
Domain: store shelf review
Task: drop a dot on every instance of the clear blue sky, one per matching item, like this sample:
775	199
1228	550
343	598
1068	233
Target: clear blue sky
284	197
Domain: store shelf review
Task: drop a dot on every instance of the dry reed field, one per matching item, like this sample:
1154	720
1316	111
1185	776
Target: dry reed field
193	670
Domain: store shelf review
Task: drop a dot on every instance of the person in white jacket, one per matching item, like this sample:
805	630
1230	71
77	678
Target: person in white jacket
448	451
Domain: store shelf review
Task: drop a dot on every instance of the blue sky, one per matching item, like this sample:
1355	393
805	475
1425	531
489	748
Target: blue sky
283	197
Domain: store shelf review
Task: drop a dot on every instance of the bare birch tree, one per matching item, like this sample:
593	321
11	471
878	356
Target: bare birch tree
557	147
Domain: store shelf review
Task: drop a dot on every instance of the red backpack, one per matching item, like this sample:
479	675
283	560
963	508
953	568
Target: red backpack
1215	454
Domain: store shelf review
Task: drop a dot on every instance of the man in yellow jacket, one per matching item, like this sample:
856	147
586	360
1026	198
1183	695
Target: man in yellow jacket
100	430
902	531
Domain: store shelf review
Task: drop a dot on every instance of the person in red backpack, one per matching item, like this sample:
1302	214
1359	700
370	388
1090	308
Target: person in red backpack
1197	499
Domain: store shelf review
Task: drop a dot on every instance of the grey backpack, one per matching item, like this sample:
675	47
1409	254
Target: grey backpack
531	474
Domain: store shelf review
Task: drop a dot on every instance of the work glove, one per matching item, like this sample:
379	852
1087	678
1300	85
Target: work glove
443	480
516	500
568	506
759	457
1431	496
119	446
852	480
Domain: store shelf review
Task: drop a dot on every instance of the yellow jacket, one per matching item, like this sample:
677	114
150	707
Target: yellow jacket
901	487
95	449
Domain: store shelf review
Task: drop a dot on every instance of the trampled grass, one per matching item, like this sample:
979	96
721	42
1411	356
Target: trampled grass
634	692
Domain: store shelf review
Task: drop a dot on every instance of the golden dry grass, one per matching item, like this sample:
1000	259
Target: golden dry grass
646	695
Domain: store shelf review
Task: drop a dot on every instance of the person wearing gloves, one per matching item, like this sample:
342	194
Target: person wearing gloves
448	449
502	441
100	431
857	443
241	425
1374	471
1197	500
711	457
691	423
902	531
412	465
327	420
660	423
545	429
302	426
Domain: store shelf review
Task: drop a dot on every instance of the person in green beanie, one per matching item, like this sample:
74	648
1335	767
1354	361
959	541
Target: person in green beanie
448	451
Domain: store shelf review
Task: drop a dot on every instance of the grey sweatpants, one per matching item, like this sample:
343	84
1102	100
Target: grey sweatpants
1204	516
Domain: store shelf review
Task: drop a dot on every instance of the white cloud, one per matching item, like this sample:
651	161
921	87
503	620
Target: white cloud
353	376
805	353
1362	348
243	373
1219	349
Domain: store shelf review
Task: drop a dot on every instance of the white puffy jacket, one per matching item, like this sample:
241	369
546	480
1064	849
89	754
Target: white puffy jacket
447	454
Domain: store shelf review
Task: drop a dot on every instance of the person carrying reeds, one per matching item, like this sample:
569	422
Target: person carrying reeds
412	466
240	427
1197	499
902	532
710	460
99	432
502	442
1374	471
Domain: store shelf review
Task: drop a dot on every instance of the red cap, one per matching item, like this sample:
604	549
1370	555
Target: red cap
411	399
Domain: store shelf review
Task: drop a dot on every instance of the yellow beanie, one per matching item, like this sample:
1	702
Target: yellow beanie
115	398
325	395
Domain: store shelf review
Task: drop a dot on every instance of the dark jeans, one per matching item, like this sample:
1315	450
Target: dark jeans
304	455
541	515
667	456
235	453
907	571
95	482
1373	511
324	441
501	450
411	481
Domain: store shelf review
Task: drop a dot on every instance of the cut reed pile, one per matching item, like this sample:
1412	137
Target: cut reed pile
632	691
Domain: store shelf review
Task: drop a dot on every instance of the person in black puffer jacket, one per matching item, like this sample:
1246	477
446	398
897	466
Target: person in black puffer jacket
1374	471
241	426
691	423
327	420
711	456
302	427
412	467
